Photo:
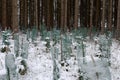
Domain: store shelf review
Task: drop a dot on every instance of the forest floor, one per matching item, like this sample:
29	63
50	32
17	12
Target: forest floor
40	63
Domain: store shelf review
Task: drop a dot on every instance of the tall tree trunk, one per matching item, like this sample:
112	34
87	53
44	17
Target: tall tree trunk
68	15
0	13
58	14
65	15
103	17
76	14
31	14
26	14
91	16
115	14
87	12
118	21
97	15
110	15
36	13
21	2
39	13
9	13
51	14
3	14
50	7
14	15
62	14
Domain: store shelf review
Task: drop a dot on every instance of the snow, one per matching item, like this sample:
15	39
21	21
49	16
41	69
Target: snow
40	63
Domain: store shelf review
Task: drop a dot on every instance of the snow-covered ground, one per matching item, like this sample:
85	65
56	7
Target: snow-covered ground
40	63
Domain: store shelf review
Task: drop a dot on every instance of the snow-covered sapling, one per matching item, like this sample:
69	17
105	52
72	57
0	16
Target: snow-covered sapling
10	65
24	49
28	34
56	74
104	46
43	32
80	49
66	42
16	44
47	39
34	34
5	36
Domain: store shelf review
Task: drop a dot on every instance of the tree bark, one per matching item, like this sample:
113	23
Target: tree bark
91	16
118	20
14	15
110	16
76	14
65	15
36	14
103	17
4	14
62	14
0	13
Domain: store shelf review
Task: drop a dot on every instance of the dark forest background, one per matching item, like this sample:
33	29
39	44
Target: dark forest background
98	15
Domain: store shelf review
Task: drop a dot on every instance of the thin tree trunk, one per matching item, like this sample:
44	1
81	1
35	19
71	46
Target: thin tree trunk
36	14
58	14
14	15
76	14
115	15
9	14
103	17
3	14
26	14
110	15
62	14
91	16
0	13
97	16
65	13
118	21
87	16
39	13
